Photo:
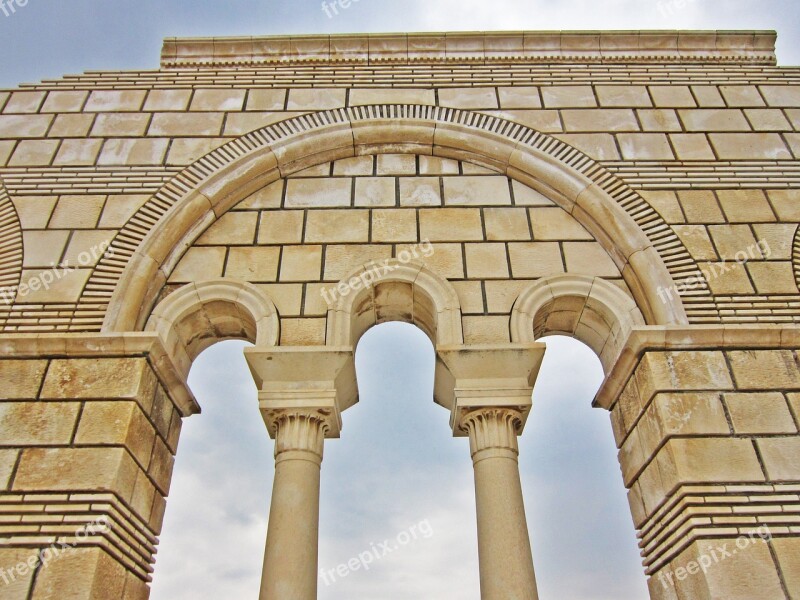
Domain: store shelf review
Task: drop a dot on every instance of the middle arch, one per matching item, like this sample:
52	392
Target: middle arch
215	183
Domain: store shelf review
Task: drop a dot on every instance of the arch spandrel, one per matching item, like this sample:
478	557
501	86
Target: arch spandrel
206	190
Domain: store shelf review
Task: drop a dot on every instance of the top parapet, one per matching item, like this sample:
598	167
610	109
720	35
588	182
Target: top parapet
749	47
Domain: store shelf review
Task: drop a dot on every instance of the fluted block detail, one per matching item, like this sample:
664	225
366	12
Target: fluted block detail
493	428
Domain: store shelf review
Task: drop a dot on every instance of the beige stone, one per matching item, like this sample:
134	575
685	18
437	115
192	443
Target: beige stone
501	295
486	330
163	100
38	423
302	332
714	120
19	568
691	146
726	278
394	225
364	96
78	152
185	151
86	248
253	264
781	95
599	120
117	423
623	95
375	191
734	241
788	552
659	119
24	126
678	371
767	120
64	101
476	191
546	121
33	152
119	208
301	263
486	261
24	102
749	146
760	413
188	125
420	191
645	146
526	196
568	96
707	96
741	95
535	259
115	100
337	226
120	124
217	99
672	96
780	457
21	378
118	151
434	165
775	239
34	211
700	206
599	146
74	125
666	204
199	263
81	574
473	98
288	297
470	295
555	224
785	203
745	206
697	241
270	196
450	224
316	98
358	165
266	99
232	228
446	259
506	224
396	164
774	277
281	227
43	248
589	258
340	260
764	369
519	97
77	212
312	193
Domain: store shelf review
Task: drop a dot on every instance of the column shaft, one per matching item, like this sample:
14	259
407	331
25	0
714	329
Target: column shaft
504	550
290	558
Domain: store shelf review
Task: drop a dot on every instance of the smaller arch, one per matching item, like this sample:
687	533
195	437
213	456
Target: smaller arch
394	290
199	314
590	309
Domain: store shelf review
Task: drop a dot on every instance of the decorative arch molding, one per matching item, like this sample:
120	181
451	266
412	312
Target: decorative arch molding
647	252
796	257
11	248
590	309
199	314
397	291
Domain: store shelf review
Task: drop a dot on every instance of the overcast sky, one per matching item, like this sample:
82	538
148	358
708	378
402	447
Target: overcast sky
396	465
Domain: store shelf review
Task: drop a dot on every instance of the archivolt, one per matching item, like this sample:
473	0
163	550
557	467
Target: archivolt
646	251
10	250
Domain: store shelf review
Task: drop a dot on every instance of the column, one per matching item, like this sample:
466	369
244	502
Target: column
504	551
302	392
488	391
290	559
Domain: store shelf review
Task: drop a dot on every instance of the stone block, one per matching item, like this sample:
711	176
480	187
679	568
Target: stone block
665	204
30	153
340	260
535	259
303	332
317	193
19	567
281	227
375	191
599	120
659	119
301	263
681	371
316	98
753	413
222	99
780	457
501	295
764	369
707	96
568	96
749	146
198	264
75	125
486	330
24	102
166	100
253	264
65	101
115	100
186	124
476	191
446	259
99	378
81	574
120	124
672	96
288	297
722	119
139	152
78	153
21	378
556	224
634	96
770	119
745	206
733	241
24	126
185	151
117	423
420	191
433	165
589	258
266	99
741	95
357	165
232	228
486	261
526	196
787	551
691	146
394	225
37	423
470	296
337	226
43	248
503	224
396	164
700	206
519	97
726	278
470	98
781	95
86	248
450	224
773	277
696	240
775	239
365	96
598	146
270	196
645	146
785	203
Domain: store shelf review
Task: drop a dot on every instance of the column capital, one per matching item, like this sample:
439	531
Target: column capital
301	385
471	379
492	428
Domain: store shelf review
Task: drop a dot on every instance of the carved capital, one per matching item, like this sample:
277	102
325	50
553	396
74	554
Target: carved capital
300	431
493	427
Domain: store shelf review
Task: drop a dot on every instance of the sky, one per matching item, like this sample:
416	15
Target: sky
396	469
